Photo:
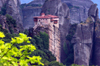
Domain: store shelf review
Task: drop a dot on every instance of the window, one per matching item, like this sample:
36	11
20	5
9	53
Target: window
35	19
55	21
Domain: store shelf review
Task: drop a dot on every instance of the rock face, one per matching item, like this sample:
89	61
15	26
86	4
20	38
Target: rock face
13	9
83	43
96	53
3	22
87	40
2	2
54	42
55	7
28	14
78	9
30	11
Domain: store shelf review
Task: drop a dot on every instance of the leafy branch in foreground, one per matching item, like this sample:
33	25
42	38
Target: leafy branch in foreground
10	55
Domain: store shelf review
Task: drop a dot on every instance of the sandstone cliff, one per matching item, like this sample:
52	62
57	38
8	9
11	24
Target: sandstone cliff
78	9
56	7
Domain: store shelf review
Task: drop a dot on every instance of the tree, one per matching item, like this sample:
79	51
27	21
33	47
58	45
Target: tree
11	20
10	55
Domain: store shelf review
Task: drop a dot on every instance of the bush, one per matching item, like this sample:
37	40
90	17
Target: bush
54	63
45	40
10	20
10	55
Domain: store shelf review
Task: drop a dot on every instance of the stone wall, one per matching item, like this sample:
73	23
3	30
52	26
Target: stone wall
54	41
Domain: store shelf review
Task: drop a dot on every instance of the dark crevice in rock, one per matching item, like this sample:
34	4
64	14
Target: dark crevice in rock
82	34
93	47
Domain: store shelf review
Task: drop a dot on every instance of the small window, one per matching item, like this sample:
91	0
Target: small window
55	21
35	19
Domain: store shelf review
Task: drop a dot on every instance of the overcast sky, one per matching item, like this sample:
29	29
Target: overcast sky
95	1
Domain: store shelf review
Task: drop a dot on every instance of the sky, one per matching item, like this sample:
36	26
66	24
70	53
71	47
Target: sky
95	1
25	1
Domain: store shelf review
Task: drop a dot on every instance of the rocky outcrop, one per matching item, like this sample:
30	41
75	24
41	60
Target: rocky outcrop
83	43
13	9
78	9
86	40
93	12
56	7
3	23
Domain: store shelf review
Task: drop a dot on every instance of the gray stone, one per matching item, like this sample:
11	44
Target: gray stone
78	9
83	43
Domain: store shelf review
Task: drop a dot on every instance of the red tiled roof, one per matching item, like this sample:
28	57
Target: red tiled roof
46	16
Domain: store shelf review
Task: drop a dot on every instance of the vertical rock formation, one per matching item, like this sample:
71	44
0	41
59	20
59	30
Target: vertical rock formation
78	9
13	9
3	22
83	43
86	39
56	7
93	12
54	41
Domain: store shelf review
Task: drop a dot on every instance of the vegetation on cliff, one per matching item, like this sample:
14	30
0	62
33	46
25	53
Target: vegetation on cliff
69	50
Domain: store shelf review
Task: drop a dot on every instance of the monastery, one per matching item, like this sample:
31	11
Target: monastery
52	23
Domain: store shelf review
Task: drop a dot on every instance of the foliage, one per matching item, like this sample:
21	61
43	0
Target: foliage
32	5
45	40
42	41
10	20
3	10
55	63
71	32
37	41
71	6
22	5
10	55
11	30
26	32
69	50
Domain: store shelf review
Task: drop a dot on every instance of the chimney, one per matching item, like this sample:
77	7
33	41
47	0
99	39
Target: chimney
42	14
